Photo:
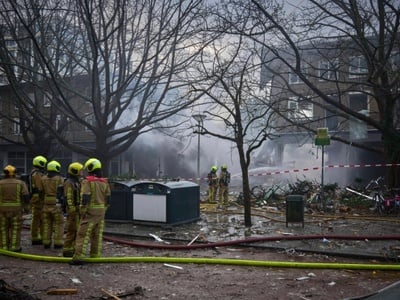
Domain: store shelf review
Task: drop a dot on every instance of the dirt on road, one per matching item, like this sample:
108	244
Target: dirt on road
143	280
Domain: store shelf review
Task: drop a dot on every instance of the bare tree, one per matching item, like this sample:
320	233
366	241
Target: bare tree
233	100
364	37
130	58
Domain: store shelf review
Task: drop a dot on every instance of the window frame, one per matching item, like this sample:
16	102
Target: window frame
298	113
330	71
89	118
356	66
16	126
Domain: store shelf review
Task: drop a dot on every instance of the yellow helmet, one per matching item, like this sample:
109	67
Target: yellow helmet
214	168
9	170
92	164
54	166
224	167
75	168
39	161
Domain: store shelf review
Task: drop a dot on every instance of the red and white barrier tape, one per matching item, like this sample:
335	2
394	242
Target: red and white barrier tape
327	166
297	170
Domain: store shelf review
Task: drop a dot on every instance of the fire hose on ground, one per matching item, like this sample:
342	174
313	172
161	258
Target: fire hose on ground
222	261
214	261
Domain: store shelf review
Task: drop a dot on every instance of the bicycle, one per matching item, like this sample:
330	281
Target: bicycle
324	197
378	194
263	194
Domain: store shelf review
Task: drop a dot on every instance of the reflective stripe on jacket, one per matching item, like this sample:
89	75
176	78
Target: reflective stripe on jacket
11	192
50	187
98	189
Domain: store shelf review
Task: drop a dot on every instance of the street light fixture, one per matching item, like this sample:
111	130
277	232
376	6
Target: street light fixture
199	119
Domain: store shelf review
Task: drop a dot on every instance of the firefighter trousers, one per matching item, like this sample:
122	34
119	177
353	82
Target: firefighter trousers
53	226
90	230
10	230
36	223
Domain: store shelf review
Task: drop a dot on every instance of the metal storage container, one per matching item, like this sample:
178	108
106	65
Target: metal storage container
173	202
121	206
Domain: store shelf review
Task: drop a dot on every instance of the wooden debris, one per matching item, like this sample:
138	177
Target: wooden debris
110	294
194	239
62	292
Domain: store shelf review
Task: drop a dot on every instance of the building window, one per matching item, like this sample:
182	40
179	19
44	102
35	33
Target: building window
3	78
89	118
331	117
300	109
46	99
13	54
62	123
395	62
357	66
327	70
58	122
359	102
304	71
18	160
294	78
16	126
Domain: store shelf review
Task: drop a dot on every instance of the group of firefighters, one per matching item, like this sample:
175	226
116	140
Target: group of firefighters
219	182
48	195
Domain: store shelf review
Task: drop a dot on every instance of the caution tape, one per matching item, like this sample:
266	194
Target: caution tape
327	166
291	171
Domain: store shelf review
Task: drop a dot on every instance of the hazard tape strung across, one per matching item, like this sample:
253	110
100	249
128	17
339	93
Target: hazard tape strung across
296	170
327	166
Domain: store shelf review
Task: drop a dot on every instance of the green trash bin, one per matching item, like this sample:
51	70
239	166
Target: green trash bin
295	209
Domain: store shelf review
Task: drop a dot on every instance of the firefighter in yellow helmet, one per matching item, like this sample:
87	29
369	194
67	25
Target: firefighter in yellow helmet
71	200
212	180
38	171
13	194
95	197
224	179
52	215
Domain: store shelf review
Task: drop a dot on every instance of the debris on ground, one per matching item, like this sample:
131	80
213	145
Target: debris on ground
11	293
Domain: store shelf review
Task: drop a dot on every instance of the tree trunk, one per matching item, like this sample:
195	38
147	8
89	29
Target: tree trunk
246	188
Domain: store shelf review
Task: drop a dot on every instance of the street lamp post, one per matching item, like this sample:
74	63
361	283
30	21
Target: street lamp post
199	119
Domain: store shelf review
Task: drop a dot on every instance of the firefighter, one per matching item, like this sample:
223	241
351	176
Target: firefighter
38	171
13	195
212	180
52	215
71	193
95	197
224	179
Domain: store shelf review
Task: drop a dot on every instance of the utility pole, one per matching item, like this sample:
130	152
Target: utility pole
322	139
199	119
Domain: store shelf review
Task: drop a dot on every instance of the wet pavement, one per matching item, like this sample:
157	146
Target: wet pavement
372	237
341	234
